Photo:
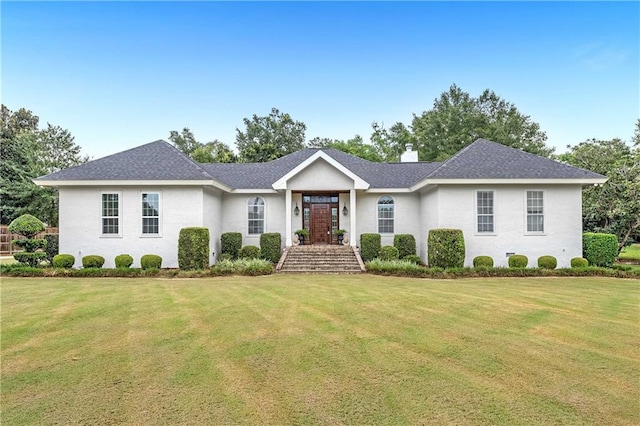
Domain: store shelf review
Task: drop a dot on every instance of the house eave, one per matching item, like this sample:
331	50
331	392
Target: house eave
60	183
539	181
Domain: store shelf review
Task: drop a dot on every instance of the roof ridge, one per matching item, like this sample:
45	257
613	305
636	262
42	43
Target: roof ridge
191	160
444	163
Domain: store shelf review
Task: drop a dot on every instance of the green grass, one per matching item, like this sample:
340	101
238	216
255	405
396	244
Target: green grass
631	252
325	349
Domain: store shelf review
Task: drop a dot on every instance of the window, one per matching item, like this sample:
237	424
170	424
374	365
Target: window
255	215
111	214
484	211
385	215
535	211
151	213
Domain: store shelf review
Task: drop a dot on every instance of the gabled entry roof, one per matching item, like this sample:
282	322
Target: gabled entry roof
160	162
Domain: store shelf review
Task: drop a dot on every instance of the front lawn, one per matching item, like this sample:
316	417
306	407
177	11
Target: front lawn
320	349
631	252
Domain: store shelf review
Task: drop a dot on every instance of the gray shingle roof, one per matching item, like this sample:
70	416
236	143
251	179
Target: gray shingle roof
157	160
160	160
484	159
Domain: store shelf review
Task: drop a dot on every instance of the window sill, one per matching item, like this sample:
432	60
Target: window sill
486	234
151	236
535	234
111	236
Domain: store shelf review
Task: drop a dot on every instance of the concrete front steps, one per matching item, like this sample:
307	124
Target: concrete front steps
321	259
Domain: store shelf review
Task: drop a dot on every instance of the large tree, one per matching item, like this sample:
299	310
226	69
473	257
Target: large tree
208	152
456	120
613	207
269	137
26	153
354	146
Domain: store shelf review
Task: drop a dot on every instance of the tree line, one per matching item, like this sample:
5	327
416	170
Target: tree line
454	121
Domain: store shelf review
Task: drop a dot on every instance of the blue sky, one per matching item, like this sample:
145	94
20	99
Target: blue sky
120	74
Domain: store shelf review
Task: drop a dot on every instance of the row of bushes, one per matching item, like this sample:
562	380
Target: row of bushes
270	247
404	268
404	246
122	261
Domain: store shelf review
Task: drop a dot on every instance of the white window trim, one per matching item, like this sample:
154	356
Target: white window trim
475	212
378	214
544	213
120	218
264	218
141	217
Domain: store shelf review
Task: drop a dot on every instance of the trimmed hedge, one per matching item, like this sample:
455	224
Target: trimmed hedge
370	245
599	249
26	225
270	245
406	245
231	243
123	261
63	261
31	244
92	261
150	261
579	262
53	246
446	248
547	262
30	259
249	252
193	248
389	253
483	262
518	261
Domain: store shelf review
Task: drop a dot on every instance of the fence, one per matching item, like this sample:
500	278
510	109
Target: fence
7	249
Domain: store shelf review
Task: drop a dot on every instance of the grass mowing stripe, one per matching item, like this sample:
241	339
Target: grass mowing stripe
321	349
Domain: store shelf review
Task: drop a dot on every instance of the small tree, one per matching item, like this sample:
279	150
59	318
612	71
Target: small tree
28	226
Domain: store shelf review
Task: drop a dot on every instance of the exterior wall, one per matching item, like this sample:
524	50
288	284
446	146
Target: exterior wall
81	224
407	215
320	176
562	222
234	215
212	219
428	219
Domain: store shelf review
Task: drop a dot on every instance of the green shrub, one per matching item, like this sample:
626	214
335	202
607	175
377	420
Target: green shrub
270	245
579	262
32	244
31	259
370	245
406	245
446	248
483	262
224	257
53	246
63	261
391	267
547	262
250	267
413	258
193	248
231	243
599	249
124	261
389	253
249	252
518	261
150	261
26	225
92	261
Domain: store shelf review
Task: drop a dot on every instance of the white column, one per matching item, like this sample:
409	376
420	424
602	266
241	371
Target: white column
287	217
352	218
